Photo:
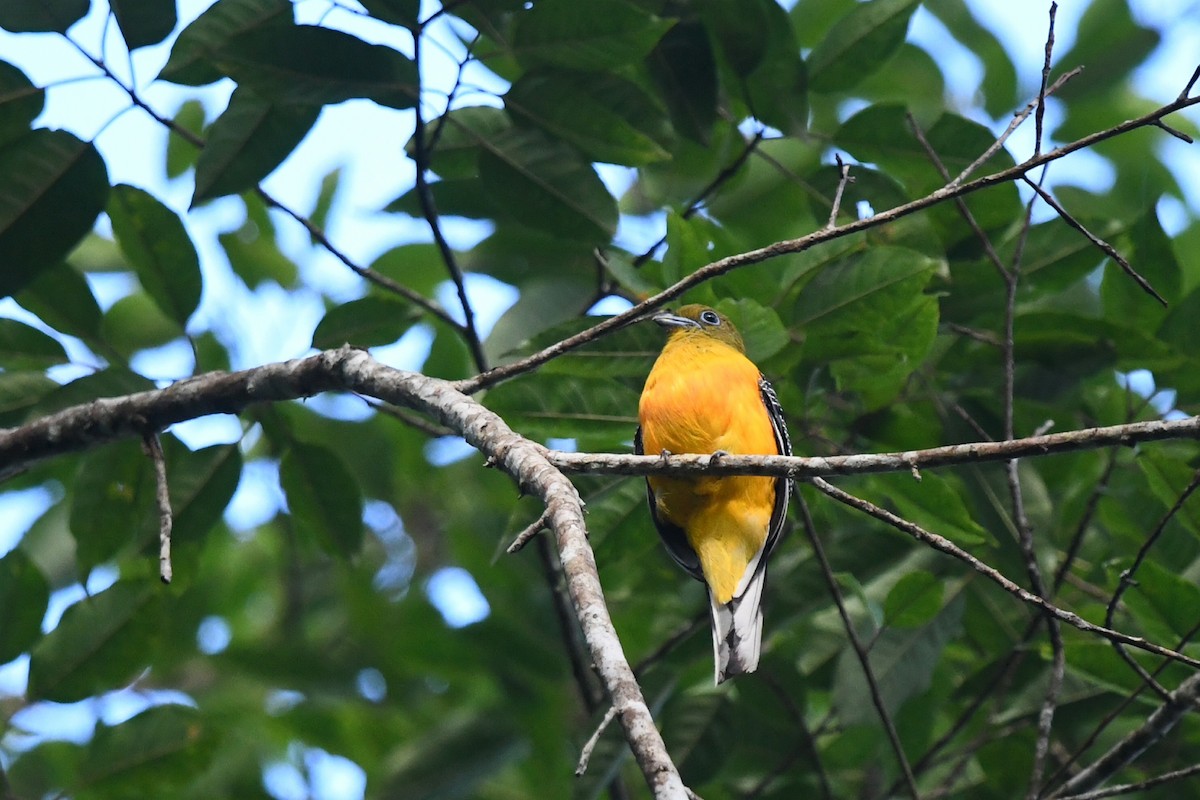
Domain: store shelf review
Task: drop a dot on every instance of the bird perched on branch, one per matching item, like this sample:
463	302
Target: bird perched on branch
704	396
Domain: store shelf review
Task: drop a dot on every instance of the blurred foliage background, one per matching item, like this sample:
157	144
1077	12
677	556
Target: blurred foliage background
342	621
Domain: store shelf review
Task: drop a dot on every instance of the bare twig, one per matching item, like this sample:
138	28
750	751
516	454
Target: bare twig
162	496
1129	748
843	179
585	755
946	546
1041	106
1130	788
1104	246
861	652
1187	89
522	538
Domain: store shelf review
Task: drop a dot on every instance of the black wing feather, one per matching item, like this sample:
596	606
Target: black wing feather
673	536
783	486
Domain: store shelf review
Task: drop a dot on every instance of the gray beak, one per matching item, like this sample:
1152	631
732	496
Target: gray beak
669	320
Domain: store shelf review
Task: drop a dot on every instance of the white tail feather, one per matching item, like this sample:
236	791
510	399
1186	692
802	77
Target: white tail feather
737	625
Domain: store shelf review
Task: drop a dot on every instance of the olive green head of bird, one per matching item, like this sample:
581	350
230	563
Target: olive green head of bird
699	320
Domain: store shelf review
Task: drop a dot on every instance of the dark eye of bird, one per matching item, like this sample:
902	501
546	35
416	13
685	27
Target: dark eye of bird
710	318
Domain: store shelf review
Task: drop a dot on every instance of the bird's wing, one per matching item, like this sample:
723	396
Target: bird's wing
673	536
783	486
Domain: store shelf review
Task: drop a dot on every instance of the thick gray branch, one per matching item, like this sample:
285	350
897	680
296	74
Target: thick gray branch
348	369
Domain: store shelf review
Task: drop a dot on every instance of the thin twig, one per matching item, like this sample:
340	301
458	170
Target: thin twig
162	496
1129	788
843	179
522	538
863	657
1041	106
946	546
1127	580
585	755
1107	248
1187	89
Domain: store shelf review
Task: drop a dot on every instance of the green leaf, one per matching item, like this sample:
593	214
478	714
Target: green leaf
460	134
144	22
859	43
607	117
52	188
741	29
253	252
23	347
158	246
777	90
913	601
323	498
999	74
182	154
202	483
762	331
1162	593
20	103
136	322
191	60
367	322
599	413
544	184
317	66
1151	256
1109	44
684	70
110	382
250	139
161	751
24	594
20	391
935	503
112	502
41	17
543	303
595	36
100	644
902	662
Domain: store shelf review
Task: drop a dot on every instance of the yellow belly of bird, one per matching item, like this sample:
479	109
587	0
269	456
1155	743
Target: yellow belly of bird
703	411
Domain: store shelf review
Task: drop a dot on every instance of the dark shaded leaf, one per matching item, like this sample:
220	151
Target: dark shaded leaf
323	497
191	60
52	188
598	35
100	644
136	322
161	751
112	502
182	154
859	43
23	347
44	16
20	103
24	594
398	12
913	601
683	68
317	66
366	322
250	139
144	22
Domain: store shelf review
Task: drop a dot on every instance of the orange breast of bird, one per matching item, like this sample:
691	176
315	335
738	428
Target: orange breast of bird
703	396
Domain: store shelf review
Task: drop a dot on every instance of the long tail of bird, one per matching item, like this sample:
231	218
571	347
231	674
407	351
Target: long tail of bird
737	625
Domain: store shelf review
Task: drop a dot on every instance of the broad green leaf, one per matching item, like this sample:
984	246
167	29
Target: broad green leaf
202	483
695	723
110	382
913	601
45	769
323	498
454	197
776	91
607	117
684	70
1152	258
253	252
1163	593
599	413
1167	476
453	757
543	304
543	184
1109	45
156	243
741	30
182	154
136	322
52	188
162	751
455	140
595	36
20	103
367	322
250	139
23	347
935	503
688	246
100	644
24	594
761	330
626	353
192	56
902	662
40	17
418	266
20	391
859	43
144	22
112	502
317	66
